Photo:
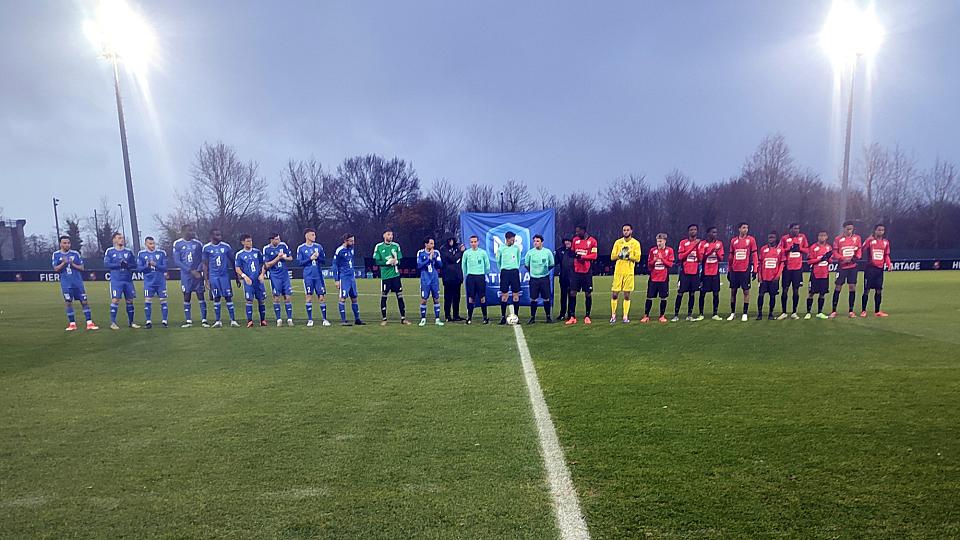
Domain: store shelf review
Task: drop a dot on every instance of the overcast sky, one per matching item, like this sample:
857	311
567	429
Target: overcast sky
566	94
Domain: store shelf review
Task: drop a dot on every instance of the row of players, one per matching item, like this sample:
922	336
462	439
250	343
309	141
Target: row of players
209	267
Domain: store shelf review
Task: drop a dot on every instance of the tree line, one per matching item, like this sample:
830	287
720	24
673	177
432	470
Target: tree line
365	194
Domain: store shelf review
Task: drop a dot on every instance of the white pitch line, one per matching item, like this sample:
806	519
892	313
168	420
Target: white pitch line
566	504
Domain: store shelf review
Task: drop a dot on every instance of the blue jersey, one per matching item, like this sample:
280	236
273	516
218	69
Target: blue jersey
428	264
70	277
279	270
188	255
343	264
311	268
153	275
219	259
250	262
121	263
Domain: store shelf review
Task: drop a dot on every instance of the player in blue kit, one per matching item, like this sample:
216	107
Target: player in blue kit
217	263
153	263
346	280
69	265
188	256
311	257
121	262
250	268
429	263
276	255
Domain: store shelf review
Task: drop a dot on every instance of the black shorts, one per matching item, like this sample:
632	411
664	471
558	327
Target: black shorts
476	286
739	280
689	282
581	282
872	278
819	285
846	275
710	283
792	278
540	288
771	287
658	288
510	280
391	285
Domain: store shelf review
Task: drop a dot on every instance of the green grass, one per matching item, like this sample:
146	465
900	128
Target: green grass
804	429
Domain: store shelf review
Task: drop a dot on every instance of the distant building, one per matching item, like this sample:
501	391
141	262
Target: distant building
11	240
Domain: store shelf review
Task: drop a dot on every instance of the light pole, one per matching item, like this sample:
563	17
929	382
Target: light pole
848	35
122	225
56	218
122	35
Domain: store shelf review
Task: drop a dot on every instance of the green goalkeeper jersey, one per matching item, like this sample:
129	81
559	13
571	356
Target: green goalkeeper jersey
385	253
539	262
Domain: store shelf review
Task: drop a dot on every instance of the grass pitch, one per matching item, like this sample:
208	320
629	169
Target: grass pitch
843	428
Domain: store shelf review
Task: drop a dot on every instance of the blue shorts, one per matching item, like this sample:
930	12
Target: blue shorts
348	288
220	286
429	287
314	285
281	285
190	284
74	293
122	289
256	291
150	291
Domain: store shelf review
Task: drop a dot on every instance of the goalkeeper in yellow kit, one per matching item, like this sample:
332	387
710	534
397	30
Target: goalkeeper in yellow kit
626	251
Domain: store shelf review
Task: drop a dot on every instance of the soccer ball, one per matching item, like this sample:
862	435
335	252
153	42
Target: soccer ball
513	319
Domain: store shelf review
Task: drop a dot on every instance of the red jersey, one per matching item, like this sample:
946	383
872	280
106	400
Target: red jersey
711	253
743	252
847	246
878	252
587	249
689	252
819	260
793	254
659	261
771	262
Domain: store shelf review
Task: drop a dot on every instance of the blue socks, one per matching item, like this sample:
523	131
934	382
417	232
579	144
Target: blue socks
249	311
233	314
276	310
343	311
356	311
71	316
187	311
436	310
163	309
423	311
309	311
86	313
148	310
130	312
113	312
203	308
217	310
289	307
323	310
263	311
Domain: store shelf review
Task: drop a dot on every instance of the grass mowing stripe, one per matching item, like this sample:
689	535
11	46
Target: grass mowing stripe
566	504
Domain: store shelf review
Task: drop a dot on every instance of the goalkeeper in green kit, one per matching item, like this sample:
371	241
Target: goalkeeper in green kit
387	256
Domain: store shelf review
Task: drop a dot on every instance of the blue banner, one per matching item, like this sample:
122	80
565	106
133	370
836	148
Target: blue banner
490	230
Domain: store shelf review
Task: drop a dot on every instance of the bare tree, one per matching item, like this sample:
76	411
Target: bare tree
479	198
103	225
941	189
448	201
516	197
547	198
888	177
223	189
303	185
374	188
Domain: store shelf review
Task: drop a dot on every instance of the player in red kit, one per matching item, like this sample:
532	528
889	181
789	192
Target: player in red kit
795	247
818	257
659	261
584	249
711	253
742	260
688	252
877	249
846	251
771	265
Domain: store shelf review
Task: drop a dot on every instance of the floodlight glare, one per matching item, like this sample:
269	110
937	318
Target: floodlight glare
851	32
121	33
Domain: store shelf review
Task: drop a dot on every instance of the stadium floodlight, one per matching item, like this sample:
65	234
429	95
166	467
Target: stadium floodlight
849	34
121	34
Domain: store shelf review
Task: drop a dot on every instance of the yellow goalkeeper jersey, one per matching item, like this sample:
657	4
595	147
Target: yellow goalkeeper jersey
632	248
